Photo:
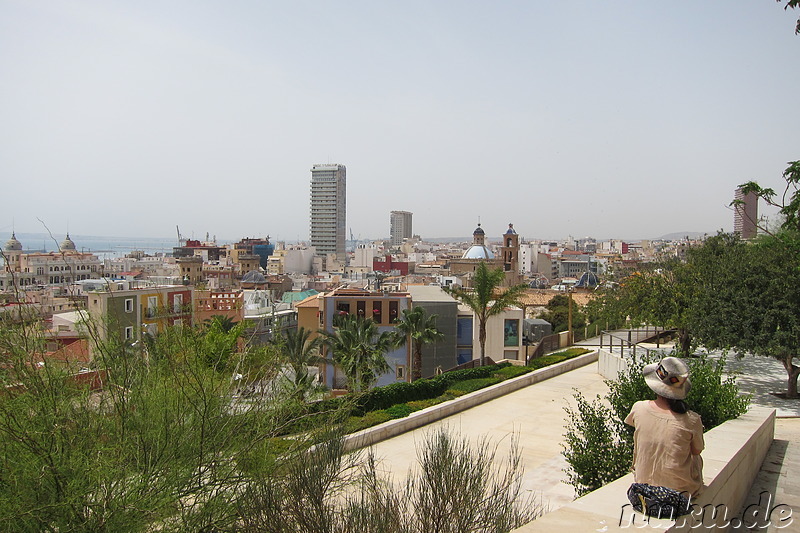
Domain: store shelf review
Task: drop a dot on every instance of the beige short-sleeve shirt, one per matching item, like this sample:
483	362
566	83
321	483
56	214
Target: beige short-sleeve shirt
662	447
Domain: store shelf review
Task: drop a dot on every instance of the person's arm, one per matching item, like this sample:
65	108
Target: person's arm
698	443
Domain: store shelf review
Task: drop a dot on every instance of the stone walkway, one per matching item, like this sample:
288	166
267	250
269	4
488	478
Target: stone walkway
535	415
778	483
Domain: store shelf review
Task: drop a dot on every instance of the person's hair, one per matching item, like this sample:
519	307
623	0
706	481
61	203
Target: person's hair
677	406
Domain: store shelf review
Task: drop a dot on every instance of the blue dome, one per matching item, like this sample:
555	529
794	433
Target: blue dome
479	231
478	251
254	276
588	280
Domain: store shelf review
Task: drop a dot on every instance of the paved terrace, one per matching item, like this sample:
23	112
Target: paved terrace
536	415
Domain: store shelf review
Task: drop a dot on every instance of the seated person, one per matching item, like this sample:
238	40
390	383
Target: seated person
668	437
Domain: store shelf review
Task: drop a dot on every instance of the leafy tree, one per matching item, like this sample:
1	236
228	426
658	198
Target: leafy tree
789	204
220	344
557	313
486	299
359	349
300	351
793	4
749	299
421	328
661	294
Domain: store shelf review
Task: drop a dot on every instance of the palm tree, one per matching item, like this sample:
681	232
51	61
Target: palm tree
421	328
485	299
359	350
300	351
226	323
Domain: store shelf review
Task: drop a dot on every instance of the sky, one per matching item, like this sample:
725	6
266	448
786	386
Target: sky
617	119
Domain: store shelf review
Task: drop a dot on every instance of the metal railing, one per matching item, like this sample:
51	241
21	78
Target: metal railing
548	343
630	339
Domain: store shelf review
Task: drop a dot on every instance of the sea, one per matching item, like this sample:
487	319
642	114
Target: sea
103	247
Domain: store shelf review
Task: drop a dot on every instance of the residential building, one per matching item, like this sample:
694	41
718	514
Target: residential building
400	226
503	335
439	356
387	265
364	255
209	303
126	314
318	312
328	209
745	214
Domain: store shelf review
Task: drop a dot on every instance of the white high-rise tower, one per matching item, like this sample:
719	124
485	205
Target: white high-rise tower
327	219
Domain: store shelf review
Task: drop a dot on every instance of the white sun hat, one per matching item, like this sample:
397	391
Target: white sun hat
668	378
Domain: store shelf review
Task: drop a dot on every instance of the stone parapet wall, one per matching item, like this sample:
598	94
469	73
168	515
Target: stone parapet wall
732	458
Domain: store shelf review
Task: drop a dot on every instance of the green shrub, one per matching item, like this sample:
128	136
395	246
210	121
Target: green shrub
596	445
373	418
599	445
553	358
513	371
472	385
400	410
423	404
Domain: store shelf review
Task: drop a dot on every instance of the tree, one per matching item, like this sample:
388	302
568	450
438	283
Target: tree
220	343
793	4
359	350
789	205
225	322
485	298
421	328
557	313
749	299
300	351
661	294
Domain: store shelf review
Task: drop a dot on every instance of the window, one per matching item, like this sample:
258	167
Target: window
400	372
377	311
177	303
129	305
128	333
511	332
464	331
393	310
152	304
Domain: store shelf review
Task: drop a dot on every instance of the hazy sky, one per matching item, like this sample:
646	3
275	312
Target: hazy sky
624	119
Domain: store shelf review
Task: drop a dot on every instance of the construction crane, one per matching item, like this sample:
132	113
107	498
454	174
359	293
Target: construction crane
180	239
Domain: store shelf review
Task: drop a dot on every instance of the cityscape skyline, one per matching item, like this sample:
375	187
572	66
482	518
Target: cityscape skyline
614	120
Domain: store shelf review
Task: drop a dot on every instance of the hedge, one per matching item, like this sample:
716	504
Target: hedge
402	392
547	360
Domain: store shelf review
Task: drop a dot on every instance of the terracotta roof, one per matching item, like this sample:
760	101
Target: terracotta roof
311	301
541	297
